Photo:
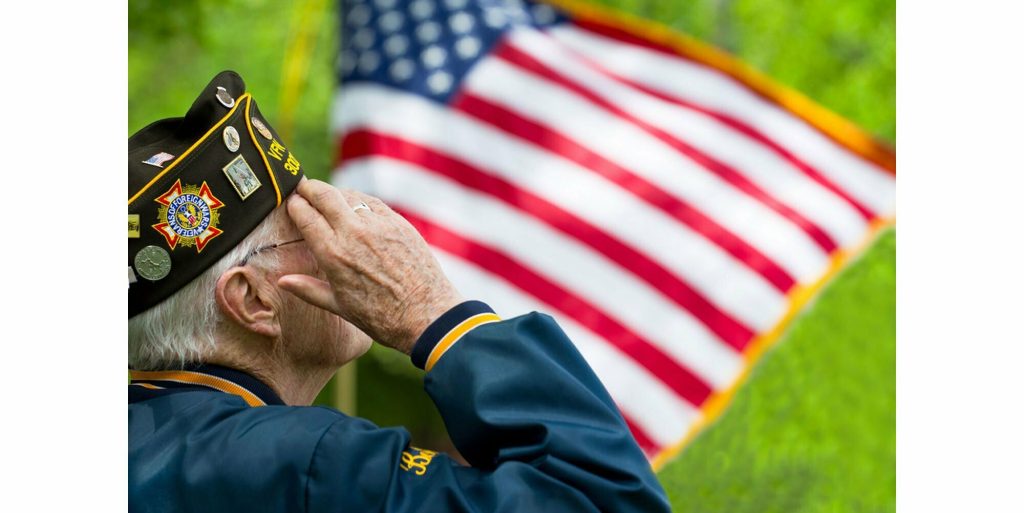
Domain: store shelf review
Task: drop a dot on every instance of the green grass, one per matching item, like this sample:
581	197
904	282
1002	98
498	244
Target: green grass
813	429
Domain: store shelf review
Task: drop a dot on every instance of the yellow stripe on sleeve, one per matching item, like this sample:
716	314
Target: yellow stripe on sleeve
456	333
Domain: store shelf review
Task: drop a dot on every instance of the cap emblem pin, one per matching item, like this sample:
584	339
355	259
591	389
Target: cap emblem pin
188	216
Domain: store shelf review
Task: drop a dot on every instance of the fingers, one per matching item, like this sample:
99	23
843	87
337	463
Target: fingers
354	202
329	200
310	222
311	290
375	204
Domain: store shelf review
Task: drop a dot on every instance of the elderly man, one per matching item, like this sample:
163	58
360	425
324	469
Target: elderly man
250	286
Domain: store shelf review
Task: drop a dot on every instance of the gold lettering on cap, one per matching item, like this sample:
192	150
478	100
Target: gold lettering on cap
292	165
276	150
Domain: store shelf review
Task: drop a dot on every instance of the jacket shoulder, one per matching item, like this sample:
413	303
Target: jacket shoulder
224	452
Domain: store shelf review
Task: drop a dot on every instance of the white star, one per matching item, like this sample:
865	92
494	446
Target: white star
363	38
368	62
519	17
515	12
495	17
402	69
543	13
461	22
434	56
428	32
455	4
439	81
467	47
390	21
347	62
421	9
358	16
396	45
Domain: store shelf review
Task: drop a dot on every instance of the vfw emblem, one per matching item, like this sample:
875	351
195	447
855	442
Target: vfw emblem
188	216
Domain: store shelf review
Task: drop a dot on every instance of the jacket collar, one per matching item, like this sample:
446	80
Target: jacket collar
148	384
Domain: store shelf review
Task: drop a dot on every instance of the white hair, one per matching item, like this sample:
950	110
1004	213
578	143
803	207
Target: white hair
181	328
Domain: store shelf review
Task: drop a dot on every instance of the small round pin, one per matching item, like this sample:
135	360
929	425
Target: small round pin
153	263
224	97
262	129
231	139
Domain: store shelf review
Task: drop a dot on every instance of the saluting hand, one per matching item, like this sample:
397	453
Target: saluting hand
380	273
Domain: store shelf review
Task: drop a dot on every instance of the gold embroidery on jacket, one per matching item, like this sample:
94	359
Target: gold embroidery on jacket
416	463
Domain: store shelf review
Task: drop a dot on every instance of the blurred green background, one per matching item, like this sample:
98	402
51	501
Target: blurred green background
813	429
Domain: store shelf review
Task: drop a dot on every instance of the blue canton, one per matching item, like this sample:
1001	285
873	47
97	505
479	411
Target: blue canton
427	46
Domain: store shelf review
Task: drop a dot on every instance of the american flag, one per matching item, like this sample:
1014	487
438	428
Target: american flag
671	208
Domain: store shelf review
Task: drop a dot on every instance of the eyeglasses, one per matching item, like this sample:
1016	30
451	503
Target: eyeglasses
265	248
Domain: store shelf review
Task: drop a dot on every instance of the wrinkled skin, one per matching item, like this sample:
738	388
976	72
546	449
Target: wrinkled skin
380	273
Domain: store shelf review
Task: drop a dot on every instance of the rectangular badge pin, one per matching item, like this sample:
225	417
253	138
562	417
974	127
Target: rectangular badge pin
133	226
242	177
158	159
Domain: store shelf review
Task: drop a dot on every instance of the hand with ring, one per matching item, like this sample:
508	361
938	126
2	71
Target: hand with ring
380	273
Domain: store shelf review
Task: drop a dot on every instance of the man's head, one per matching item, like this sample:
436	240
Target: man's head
205	208
235	310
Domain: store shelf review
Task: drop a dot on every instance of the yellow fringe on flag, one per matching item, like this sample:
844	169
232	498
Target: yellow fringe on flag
827	122
798	299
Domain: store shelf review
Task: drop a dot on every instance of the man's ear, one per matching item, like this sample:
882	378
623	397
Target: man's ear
243	301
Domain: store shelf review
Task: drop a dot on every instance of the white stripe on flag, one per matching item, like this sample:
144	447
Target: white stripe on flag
713	89
632	148
752	159
646	401
560	259
717	275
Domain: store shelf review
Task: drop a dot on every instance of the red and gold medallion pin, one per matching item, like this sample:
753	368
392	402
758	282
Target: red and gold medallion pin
188	216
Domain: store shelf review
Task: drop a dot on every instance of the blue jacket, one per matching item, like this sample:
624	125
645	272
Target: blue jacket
520	404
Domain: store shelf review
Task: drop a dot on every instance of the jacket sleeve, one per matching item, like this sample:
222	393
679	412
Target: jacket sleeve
523	407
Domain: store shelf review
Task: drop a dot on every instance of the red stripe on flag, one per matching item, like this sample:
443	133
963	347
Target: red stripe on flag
362	143
680	210
646	444
660	365
755	134
879	153
526	62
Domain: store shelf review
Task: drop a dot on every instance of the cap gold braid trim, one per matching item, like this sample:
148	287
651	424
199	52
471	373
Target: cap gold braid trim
256	142
181	157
